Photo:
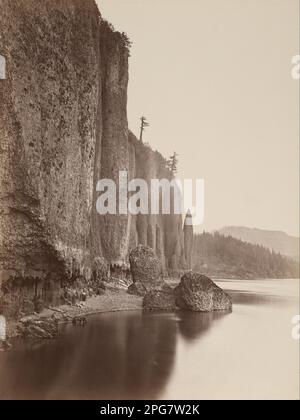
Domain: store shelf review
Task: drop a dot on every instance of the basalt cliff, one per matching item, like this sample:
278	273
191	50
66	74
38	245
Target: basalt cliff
63	127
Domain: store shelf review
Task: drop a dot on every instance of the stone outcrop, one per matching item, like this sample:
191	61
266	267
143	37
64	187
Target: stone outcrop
162	299
146	268
163	233
199	293
195	293
63	127
40	329
136	289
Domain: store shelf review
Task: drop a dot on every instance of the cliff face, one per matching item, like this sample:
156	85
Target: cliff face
63	127
161	232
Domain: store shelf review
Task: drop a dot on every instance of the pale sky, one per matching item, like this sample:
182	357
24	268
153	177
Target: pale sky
213	77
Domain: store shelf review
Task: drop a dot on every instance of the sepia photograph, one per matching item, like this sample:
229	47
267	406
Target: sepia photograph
149	203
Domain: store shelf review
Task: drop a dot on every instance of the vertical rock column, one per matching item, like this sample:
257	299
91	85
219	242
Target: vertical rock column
188	239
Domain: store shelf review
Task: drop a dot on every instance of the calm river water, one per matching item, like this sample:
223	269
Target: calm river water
246	354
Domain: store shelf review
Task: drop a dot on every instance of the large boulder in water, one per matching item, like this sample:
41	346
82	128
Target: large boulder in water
145	267
162	299
197	292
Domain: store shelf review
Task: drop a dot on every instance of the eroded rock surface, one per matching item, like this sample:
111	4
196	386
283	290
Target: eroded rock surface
162	299
40	329
145	267
197	292
136	289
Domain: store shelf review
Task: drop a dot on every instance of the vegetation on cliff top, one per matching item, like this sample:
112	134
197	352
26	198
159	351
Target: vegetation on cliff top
113	37
172	163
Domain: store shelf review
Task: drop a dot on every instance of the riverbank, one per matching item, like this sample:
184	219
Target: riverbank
110	301
114	299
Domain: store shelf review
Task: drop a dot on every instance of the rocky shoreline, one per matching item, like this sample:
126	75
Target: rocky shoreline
149	291
110	301
45	325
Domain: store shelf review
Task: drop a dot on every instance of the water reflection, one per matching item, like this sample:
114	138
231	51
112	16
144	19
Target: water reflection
242	297
193	325
127	355
159	355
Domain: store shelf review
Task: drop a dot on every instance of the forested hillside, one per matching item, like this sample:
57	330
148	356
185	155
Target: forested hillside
228	257
275	240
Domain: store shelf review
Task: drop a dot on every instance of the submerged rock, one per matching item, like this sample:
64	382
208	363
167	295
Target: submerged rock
145	268
79	320
197	292
160	299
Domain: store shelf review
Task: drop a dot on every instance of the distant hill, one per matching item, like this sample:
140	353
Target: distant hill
226	257
277	241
